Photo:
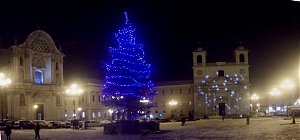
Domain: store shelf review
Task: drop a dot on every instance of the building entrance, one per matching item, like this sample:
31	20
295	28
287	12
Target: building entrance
39	113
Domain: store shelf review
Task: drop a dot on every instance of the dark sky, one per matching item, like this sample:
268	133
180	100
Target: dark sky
169	29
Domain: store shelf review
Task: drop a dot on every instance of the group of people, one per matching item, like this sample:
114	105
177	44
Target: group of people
7	131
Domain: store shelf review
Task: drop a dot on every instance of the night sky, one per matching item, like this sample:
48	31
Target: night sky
169	29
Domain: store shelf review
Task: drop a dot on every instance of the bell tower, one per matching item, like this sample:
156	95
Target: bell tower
241	55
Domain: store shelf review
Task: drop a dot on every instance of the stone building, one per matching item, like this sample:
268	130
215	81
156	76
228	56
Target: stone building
220	88
35	68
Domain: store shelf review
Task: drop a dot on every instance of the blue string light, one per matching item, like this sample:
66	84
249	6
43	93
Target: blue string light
127	73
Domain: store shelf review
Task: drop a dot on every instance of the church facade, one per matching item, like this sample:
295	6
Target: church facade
35	68
220	88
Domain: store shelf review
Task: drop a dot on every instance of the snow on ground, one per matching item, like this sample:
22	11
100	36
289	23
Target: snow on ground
212	129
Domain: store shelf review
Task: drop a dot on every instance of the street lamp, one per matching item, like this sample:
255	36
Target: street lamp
254	97
35	107
287	86
173	102
275	92
74	91
3	83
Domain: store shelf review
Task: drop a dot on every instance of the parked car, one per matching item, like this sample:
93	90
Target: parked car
43	123
24	124
103	122
58	124
92	123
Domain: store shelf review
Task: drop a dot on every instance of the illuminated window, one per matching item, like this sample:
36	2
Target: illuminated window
190	103
38	77
99	114
93	115
83	114
278	108
180	103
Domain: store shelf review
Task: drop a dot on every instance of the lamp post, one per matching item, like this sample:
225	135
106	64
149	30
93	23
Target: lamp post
288	86
254	97
275	92
3	83
74	91
35	107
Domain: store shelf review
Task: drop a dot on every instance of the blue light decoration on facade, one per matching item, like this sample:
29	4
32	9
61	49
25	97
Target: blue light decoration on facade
127	78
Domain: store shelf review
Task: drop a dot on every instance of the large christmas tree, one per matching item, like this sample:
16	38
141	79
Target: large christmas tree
128	87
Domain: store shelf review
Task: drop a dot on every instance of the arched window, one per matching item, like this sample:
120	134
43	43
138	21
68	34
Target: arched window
38	77
199	59
21	61
22	99
221	73
242	58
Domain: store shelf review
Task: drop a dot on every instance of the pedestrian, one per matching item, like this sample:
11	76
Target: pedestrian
37	130
248	119
183	121
7	131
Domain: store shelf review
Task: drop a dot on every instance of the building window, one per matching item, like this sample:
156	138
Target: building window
190	91
190	103
38	77
156	111
104	114
99	98
22	99
163	104
66	115
163	92
171	91
83	114
93	98
155	104
242	58
21	61
180	91
180	103
99	114
164	111
93	115
56	66
221	73
57	100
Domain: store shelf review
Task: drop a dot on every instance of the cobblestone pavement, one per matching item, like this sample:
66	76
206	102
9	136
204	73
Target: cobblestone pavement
212	129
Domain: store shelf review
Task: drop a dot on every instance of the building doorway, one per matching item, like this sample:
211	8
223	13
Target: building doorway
39	112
